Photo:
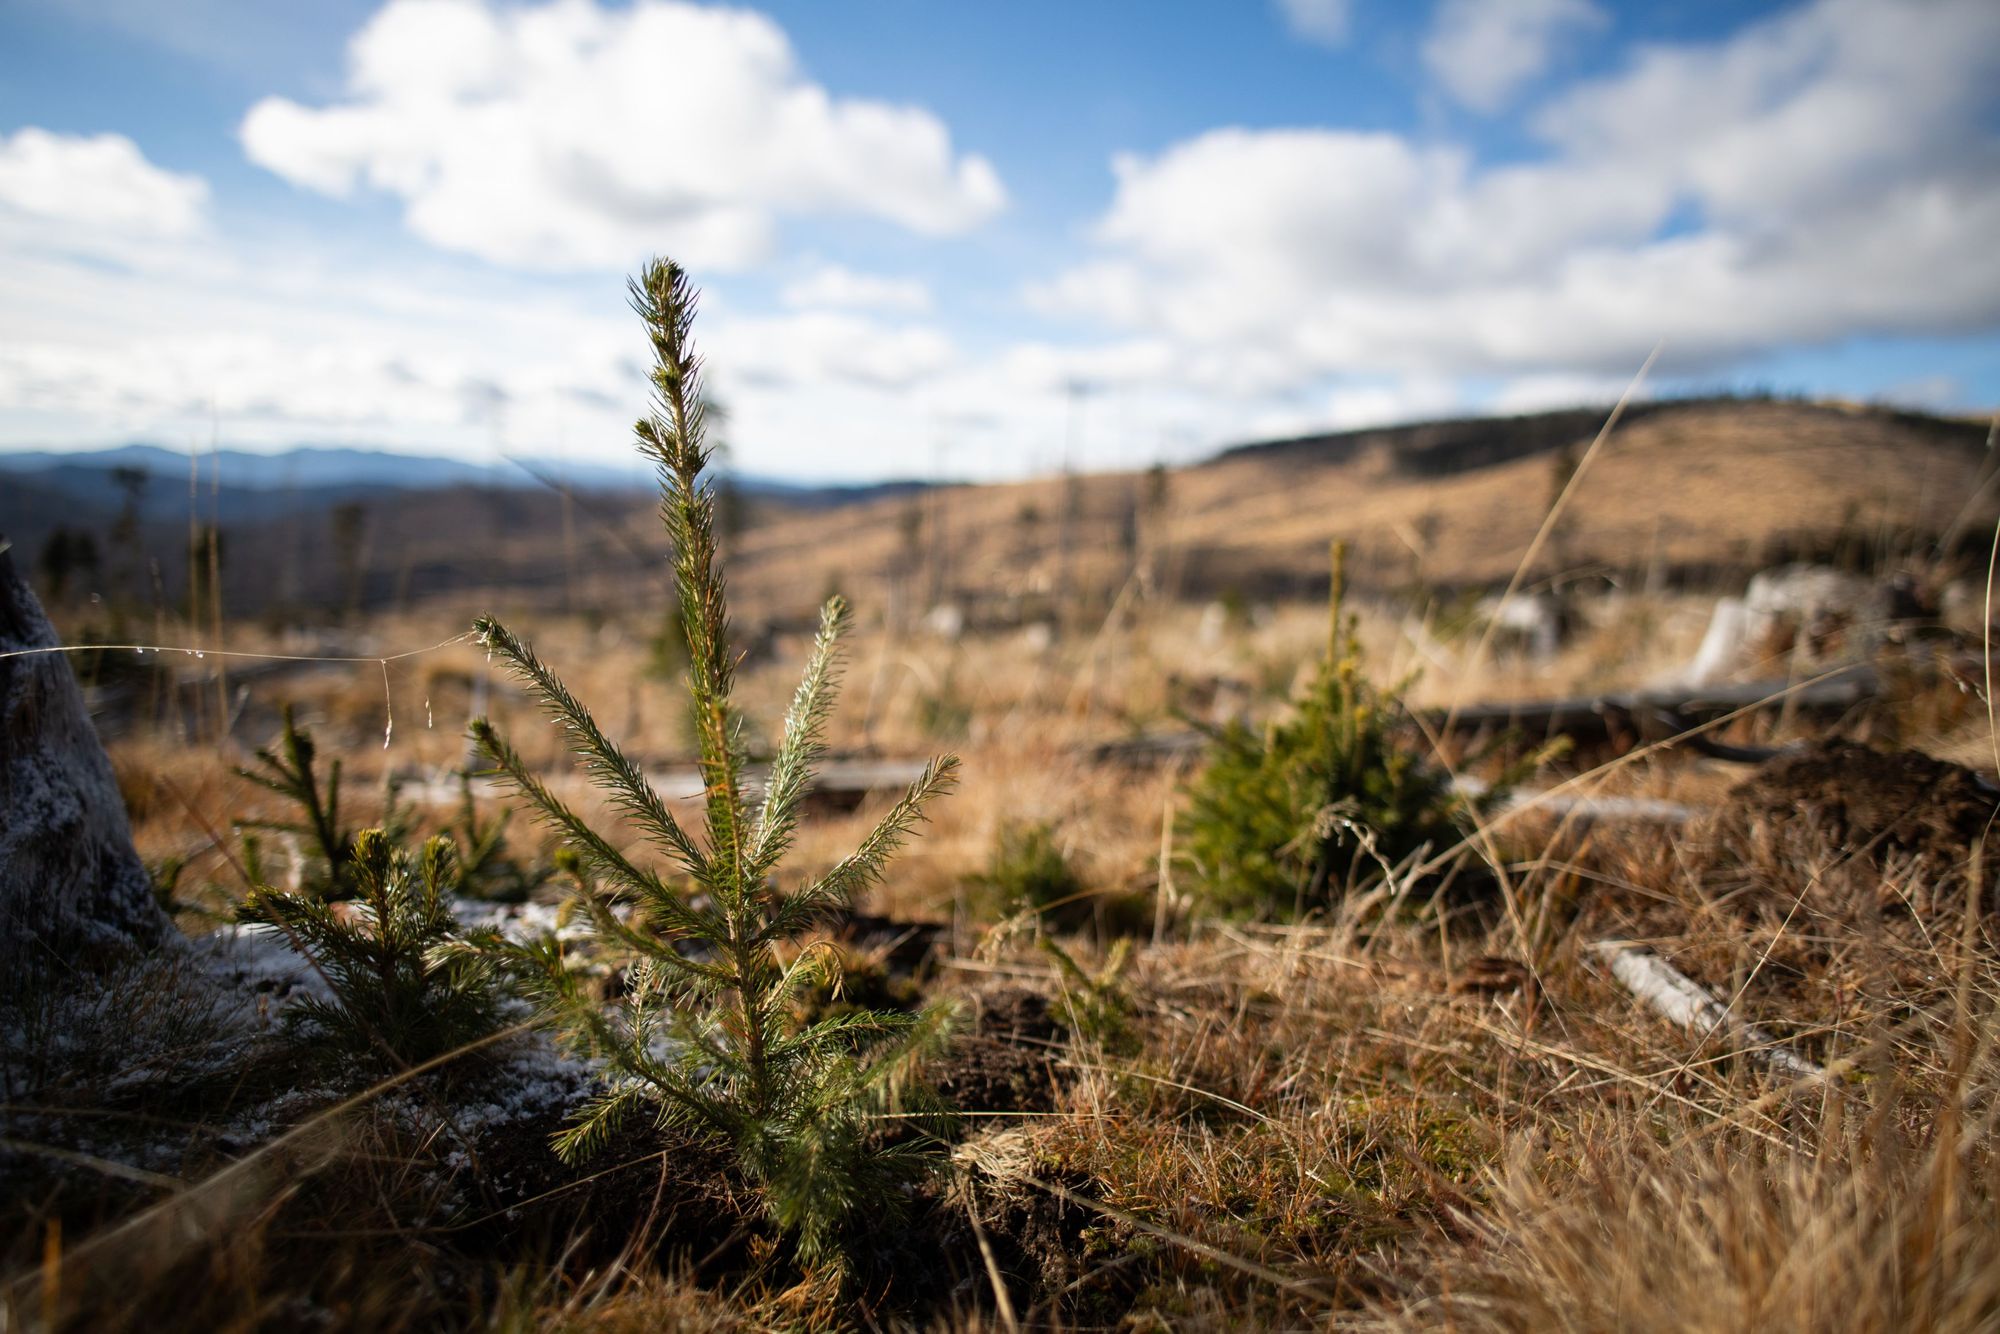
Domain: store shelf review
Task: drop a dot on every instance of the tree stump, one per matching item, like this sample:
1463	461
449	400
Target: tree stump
74	896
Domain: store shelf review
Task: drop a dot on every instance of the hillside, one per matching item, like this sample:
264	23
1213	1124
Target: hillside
323	528
1308	1098
1682	490
1695	490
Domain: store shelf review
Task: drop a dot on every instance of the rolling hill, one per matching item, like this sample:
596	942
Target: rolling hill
1703	490
1699	489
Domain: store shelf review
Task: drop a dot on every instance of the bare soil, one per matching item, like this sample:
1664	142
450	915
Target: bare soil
1881	808
1005	1060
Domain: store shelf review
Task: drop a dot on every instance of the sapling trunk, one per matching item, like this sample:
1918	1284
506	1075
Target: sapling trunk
708	1036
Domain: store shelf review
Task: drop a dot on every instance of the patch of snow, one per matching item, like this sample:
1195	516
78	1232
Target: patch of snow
259	962
520	921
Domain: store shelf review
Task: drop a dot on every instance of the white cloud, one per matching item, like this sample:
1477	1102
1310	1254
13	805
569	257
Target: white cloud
283	345
1358	405
1543	393
1829	173
1832	172
101	182
1407	399
1217	233
1485	51
280	342
832	286
1322	22
824	347
575	135
1931	393
1821	108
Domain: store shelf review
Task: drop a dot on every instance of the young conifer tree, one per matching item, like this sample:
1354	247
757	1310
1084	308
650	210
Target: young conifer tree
708	1036
1282	821
289	769
402	993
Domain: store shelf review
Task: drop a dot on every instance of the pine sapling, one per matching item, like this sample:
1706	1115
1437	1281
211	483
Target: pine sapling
708	1036
404	990
487	867
1288	820
1099	1004
324	847
1029	871
289	769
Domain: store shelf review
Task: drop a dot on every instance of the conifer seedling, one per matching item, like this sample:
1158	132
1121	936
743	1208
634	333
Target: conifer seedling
708	1036
403	991
290	769
1282	822
322	846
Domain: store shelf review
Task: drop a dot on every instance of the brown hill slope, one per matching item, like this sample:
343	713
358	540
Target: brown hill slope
1698	488
1687	488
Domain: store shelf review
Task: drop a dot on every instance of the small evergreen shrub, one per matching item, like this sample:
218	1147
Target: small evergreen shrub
708	1035
1098	1004
402	992
487	866
322	846
1286	820
290	769
1028	872
943	712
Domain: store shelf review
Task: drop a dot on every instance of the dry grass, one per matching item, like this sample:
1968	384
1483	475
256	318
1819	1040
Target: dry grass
1364	1120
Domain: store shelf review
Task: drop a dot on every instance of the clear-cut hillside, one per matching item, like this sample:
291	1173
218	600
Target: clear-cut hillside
1707	488
1703	488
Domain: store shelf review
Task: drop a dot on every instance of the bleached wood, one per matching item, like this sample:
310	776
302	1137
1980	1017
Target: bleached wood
1679	999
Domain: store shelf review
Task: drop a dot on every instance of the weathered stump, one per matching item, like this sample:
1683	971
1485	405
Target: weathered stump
74	896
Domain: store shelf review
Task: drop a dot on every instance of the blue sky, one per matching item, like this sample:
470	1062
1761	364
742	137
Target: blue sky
920	226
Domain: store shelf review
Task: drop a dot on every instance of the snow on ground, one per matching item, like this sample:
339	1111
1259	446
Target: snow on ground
258	962
208	1012
520	921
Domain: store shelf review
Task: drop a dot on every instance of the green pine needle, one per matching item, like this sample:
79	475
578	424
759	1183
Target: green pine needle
708	1034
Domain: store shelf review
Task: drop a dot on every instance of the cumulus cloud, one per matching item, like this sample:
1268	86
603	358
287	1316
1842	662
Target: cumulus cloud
281	342
825	347
284	345
1322	22
1932	393
1831	172
1828	173
1406	399
1542	393
1485	51
279	355
578	135
99	182
834	287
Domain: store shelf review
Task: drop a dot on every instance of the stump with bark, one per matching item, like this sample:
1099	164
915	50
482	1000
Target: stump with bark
74	896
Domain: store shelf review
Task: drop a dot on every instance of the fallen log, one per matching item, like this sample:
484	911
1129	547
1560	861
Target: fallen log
838	784
846	783
1664	714
1580	809
1660	715
1679	999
